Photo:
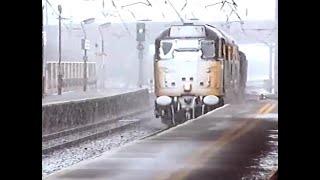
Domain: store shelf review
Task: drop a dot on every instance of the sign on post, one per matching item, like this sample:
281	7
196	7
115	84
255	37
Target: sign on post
85	44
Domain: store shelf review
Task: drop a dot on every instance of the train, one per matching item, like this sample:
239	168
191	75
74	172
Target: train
196	66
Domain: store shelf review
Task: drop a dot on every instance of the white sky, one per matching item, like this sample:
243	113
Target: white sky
258	57
79	10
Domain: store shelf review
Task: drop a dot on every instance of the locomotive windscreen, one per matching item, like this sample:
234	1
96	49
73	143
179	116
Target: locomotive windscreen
187	31
208	49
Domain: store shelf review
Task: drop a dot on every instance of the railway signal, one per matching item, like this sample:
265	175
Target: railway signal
140	32
140	38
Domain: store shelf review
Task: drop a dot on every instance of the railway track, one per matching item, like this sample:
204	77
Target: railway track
73	137
63	141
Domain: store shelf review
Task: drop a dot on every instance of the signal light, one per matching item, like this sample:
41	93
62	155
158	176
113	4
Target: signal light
140	32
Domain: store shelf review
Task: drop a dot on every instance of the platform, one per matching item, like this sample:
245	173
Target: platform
219	145
81	95
81	109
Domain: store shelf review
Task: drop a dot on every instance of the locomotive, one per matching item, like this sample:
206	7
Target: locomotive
195	68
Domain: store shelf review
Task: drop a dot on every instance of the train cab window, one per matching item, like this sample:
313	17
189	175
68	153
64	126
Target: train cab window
166	47
208	49
166	50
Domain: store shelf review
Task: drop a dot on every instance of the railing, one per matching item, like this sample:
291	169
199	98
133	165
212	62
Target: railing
72	75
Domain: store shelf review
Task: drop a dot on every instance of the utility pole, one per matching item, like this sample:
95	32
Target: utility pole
59	65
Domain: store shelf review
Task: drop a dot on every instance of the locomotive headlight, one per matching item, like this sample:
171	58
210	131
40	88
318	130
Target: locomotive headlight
211	100
163	100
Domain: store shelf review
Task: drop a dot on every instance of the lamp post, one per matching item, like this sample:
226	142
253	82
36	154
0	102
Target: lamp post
85	47
59	64
105	25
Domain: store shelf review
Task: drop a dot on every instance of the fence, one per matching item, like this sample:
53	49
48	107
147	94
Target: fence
72	75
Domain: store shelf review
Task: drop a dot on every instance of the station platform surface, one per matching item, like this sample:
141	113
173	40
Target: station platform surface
218	145
81	95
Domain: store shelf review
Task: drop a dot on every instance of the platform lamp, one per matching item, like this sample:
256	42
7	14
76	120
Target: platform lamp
85	45
60	75
102	26
59	63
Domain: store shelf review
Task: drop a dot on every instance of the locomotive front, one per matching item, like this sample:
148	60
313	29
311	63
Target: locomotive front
188	72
